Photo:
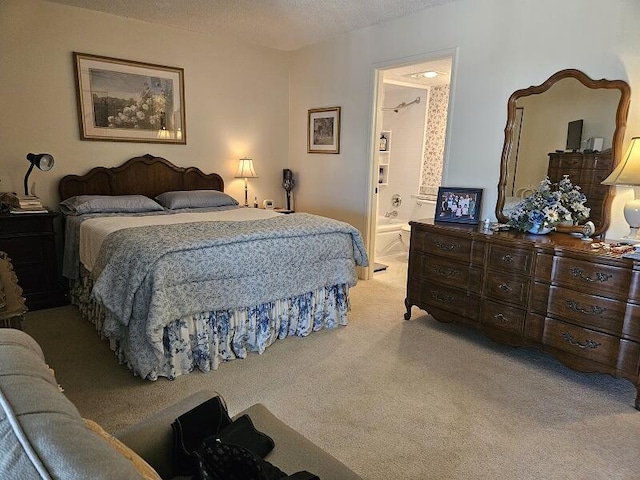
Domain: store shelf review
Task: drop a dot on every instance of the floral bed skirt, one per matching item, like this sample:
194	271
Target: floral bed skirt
206	339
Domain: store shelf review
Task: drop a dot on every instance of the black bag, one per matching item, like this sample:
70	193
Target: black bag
192	427
209	445
222	461
243	433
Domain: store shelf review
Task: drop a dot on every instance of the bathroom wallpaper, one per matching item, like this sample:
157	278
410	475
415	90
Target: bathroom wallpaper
435	133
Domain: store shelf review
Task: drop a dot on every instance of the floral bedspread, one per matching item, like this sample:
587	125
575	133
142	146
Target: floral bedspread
206	339
147	277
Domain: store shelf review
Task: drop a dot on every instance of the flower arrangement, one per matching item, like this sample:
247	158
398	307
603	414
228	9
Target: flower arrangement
551	204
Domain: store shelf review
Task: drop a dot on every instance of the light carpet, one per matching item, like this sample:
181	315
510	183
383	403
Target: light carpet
392	399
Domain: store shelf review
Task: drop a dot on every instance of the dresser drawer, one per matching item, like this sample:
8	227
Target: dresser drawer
580	161
24	250
600	313
596	346
444	298
507	288
443	270
463	249
504	317
28	223
34	278
510	259
594	178
605	280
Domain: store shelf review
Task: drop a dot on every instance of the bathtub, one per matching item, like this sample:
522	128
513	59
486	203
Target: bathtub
391	236
393	233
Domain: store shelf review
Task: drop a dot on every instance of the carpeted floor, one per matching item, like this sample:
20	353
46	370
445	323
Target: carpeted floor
393	399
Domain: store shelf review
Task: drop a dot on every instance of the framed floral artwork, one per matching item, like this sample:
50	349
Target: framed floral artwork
126	101
458	205
323	130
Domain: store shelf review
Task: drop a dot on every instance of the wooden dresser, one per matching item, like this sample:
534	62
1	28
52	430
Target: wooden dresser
587	170
551	291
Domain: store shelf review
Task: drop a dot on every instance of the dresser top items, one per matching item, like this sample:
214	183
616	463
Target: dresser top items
554	240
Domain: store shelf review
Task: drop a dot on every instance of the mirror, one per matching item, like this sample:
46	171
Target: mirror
536	133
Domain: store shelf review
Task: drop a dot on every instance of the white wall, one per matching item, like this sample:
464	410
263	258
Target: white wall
236	97
503	45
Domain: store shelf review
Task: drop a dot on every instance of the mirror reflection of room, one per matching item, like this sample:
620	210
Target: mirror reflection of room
544	121
569	125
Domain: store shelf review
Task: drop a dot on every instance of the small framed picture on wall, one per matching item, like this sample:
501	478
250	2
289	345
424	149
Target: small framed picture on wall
458	205
323	130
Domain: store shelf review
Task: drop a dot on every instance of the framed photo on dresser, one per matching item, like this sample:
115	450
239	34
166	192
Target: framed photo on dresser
458	205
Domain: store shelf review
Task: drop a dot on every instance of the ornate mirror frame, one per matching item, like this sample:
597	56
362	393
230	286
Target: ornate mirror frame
616	144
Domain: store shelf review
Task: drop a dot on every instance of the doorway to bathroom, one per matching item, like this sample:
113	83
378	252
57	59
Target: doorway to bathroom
412	118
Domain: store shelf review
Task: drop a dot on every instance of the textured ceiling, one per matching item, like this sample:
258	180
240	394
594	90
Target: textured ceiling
280	24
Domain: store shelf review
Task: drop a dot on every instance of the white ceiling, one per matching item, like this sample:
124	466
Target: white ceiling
404	75
280	24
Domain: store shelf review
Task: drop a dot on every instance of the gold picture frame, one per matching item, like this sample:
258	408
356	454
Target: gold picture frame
126	101
323	130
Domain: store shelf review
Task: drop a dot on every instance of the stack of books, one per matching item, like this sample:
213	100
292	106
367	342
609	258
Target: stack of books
24	204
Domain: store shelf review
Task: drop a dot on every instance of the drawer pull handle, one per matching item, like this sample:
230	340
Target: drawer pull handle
505	287
599	276
570	339
447	246
501	318
507	259
443	298
595	309
445	272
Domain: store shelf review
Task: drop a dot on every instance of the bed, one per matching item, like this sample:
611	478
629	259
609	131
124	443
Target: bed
177	276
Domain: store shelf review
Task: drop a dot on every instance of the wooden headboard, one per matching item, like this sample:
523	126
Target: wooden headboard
146	175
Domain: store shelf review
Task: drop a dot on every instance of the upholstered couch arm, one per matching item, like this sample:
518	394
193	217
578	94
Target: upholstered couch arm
294	452
42	432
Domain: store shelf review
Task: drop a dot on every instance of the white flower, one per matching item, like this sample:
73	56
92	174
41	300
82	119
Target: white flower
552	214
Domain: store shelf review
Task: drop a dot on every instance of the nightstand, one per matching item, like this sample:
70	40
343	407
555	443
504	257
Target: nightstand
29	240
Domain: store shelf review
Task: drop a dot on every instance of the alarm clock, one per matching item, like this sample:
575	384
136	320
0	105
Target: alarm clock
267	204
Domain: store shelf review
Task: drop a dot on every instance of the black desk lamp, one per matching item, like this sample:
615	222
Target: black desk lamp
43	161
